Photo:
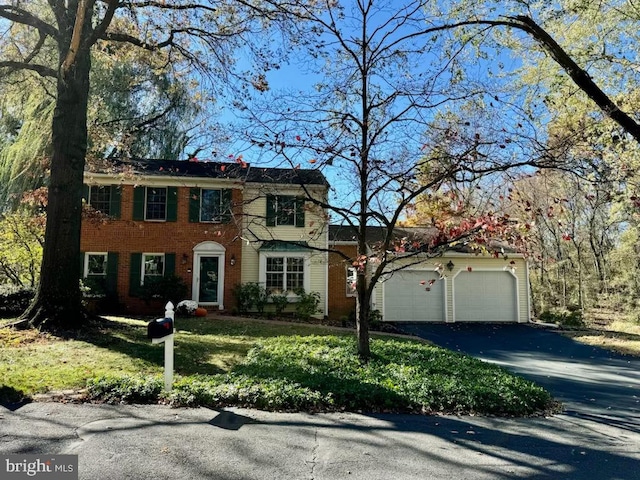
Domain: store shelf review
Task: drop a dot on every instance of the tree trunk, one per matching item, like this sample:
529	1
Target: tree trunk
363	307
58	301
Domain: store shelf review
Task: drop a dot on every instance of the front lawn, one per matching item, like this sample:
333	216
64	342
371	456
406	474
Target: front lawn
253	364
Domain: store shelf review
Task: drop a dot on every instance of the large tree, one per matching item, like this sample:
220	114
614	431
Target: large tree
189	34
380	123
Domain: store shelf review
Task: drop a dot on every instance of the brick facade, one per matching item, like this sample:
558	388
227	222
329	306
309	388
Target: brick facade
339	304
126	236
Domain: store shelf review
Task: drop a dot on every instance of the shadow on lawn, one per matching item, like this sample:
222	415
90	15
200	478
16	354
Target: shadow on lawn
192	350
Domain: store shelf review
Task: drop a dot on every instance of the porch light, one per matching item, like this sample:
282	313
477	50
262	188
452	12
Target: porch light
232	260
450	265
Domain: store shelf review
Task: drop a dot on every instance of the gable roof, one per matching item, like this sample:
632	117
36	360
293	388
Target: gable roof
224	170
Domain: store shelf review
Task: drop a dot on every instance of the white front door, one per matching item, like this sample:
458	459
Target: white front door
208	274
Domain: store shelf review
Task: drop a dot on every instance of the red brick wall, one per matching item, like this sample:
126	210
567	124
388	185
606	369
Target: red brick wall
126	236
338	303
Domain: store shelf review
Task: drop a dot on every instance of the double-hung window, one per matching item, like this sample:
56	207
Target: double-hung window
100	198
103	198
285	210
100	273
156	203
152	267
95	265
284	273
210	205
146	268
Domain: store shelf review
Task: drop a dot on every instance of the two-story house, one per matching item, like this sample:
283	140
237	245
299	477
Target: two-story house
212	224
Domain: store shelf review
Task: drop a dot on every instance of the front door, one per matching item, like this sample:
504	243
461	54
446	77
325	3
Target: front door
209	279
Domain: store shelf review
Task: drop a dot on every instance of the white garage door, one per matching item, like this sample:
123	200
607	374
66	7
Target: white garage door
406	297
485	297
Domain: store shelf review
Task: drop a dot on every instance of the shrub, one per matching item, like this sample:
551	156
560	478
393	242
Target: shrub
261	298
280	302
169	287
308	303
14	300
375	318
563	317
125	389
93	287
250	295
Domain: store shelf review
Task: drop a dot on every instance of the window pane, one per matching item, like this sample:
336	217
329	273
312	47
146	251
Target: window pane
153	265
275	264
156	204
351	281
96	265
210	205
100	198
275	274
295	273
286	210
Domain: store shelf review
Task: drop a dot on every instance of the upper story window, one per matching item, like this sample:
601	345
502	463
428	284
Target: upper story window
104	198
100	198
285	210
155	204
210	205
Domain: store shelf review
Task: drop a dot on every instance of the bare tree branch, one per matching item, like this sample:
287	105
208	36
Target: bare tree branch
36	48
39	69
579	76
23	17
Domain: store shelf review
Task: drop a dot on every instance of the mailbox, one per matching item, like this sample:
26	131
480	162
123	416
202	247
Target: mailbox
159	328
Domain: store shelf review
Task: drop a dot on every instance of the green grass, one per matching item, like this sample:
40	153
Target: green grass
275	367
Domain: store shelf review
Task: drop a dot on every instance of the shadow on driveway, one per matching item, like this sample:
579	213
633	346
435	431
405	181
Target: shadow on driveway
593	383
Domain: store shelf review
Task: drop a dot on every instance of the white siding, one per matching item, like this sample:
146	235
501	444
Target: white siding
314	233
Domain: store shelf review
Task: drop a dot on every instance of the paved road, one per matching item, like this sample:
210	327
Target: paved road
598	440
157	442
593	383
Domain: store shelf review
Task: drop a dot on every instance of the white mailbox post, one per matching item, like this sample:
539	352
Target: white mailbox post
168	346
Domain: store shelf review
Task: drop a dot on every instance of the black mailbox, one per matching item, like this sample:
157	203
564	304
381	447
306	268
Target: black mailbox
159	328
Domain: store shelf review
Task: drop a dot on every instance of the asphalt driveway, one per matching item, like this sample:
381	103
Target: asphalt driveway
591	382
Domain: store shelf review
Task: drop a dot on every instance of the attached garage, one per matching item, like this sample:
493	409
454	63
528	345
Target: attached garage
485	296
409	297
